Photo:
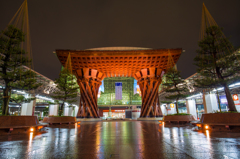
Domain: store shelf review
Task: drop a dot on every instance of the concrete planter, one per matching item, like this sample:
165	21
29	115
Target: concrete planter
59	120
220	122
221	118
19	124
179	118
18	121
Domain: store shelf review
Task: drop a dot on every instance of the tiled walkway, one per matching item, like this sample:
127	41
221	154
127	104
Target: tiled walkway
121	139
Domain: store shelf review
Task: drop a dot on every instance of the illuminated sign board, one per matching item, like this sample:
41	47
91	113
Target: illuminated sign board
235	97
223	99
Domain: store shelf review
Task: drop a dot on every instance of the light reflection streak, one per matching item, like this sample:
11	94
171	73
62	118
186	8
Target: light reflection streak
56	137
31	137
43	144
180	134
30	142
207	134
161	127
76	127
140	138
209	145
208	138
98	139
175	136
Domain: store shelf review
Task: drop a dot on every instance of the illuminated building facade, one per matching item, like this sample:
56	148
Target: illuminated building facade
107	96
92	66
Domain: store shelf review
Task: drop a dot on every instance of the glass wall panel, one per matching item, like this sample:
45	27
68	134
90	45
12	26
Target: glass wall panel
130	92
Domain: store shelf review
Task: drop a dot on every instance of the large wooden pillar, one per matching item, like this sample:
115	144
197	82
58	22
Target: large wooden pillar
89	81
149	80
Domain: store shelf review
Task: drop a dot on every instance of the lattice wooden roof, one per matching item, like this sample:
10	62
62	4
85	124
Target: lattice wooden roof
119	63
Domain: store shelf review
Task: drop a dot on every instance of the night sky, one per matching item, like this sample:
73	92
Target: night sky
78	24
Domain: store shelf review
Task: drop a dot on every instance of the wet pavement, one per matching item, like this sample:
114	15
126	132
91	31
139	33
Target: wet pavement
121	139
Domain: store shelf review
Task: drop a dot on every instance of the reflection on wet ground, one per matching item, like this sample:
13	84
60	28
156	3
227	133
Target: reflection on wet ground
120	139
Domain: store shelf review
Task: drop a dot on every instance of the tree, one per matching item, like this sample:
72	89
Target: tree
12	62
137	97
16	99
175	85
67	89
19	100
217	63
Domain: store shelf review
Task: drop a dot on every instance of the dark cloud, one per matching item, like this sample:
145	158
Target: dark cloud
77	24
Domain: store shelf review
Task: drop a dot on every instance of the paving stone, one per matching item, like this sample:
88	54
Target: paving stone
121	140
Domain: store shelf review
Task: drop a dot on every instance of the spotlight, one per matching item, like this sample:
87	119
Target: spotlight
206	127
31	129
199	125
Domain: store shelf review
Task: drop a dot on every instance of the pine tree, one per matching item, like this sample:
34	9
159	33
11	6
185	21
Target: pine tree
67	89
12	61
20	99
217	63
175	85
